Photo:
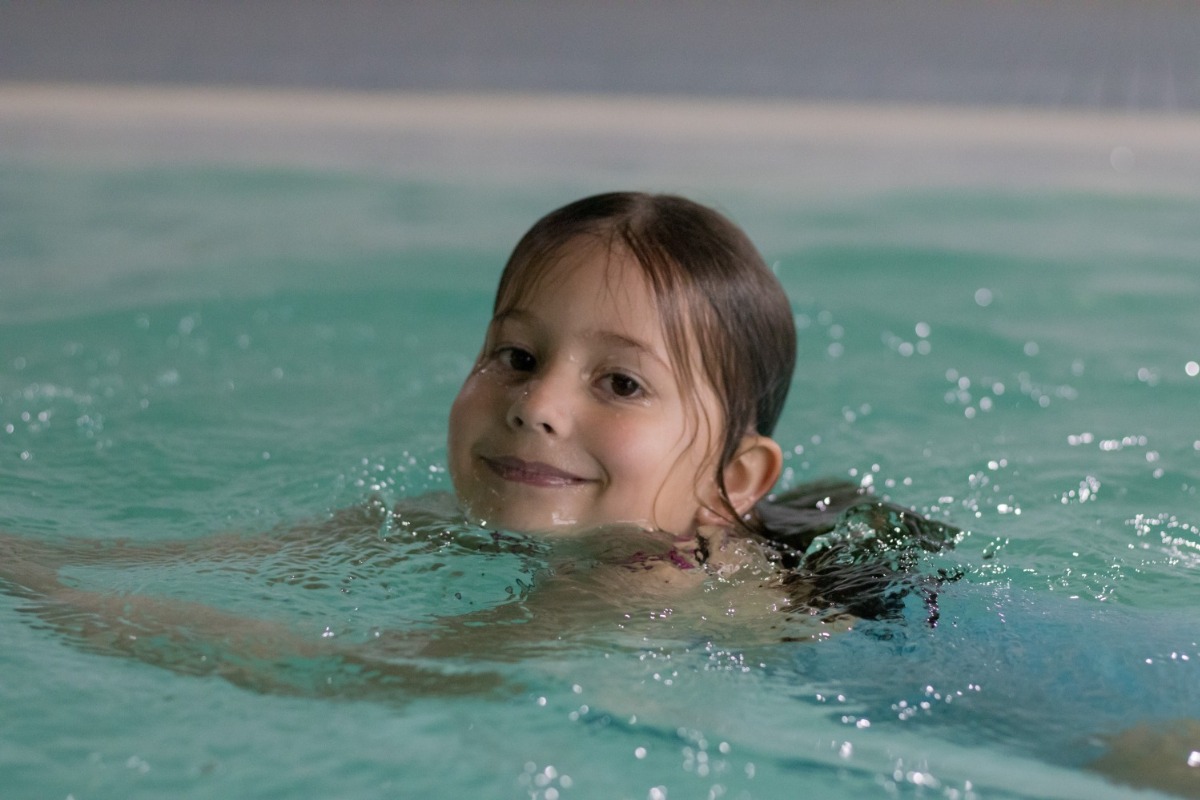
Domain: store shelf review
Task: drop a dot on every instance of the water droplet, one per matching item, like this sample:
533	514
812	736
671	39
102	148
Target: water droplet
1121	158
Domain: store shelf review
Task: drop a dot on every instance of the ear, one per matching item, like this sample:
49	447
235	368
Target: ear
749	475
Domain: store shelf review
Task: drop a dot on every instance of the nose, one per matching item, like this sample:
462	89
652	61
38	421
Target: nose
541	405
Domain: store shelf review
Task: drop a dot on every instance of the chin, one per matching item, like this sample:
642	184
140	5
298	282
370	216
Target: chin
532	523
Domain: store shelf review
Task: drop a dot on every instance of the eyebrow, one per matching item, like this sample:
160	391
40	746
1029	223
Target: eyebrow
610	338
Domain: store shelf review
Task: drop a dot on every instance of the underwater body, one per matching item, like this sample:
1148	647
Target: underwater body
199	350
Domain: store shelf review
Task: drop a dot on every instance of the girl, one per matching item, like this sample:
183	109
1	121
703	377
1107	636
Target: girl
621	409
637	361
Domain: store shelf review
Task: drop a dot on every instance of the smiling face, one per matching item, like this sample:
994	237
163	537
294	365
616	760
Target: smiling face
575	416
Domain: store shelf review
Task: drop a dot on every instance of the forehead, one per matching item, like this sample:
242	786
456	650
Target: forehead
594	267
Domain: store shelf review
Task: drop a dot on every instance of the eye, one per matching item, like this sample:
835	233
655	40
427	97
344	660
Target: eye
623	385
517	359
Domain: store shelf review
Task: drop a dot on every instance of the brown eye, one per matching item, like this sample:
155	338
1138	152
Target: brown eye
623	385
517	359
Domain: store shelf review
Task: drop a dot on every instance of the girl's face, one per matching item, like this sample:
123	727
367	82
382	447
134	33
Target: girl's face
575	417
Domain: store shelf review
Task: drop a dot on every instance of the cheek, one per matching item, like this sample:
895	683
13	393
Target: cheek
652	456
688	468
468	411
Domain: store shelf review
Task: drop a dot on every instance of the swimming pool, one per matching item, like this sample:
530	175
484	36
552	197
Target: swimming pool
202	337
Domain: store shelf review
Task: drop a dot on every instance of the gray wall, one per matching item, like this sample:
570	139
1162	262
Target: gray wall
1082	54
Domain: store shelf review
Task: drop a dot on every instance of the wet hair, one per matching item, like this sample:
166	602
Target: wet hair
714	293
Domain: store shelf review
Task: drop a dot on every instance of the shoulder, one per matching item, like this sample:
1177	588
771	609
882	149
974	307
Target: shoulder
726	553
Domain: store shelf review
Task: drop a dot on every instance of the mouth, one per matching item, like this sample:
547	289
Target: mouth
532	473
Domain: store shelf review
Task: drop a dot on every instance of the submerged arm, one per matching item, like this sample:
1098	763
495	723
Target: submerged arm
197	639
23	552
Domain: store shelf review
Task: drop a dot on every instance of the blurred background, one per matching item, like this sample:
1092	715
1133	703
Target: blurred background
1077	54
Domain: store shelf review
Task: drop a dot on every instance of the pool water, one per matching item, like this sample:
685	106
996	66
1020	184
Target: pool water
190	350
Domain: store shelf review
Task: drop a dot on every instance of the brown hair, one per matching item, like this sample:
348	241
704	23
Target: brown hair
707	275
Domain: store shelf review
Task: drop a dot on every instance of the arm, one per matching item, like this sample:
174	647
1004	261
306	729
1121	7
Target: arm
197	639
194	638
358	520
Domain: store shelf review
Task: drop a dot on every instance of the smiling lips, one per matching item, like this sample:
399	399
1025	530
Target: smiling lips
532	473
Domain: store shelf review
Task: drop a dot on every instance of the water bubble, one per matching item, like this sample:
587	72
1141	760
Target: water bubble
1192	368
922	330
983	297
1031	349
138	764
1121	158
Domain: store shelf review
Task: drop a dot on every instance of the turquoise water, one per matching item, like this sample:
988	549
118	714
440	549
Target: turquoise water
189	351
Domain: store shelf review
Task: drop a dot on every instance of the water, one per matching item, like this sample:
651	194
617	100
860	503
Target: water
190	350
